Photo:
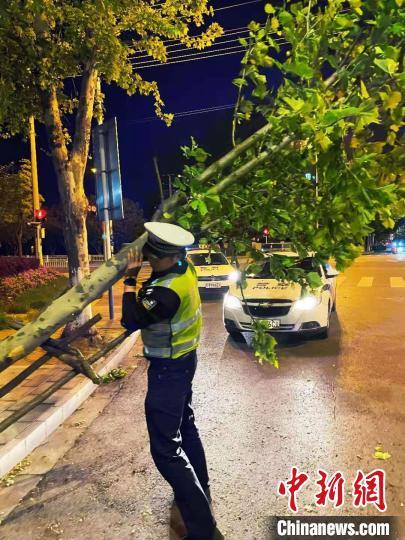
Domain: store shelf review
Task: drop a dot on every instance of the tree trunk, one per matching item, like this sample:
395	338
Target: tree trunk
69	168
19	241
75	236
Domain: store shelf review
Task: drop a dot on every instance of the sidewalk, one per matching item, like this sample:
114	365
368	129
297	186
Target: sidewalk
18	440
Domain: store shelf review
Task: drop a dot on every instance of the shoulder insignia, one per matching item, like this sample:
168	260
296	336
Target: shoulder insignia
148	303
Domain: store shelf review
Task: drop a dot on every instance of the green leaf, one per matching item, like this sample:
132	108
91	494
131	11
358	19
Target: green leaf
286	18
363	90
382	455
386	64
343	21
184	220
260	91
332	116
301	69
323	140
392	100
213	197
200	155
314	280
202	208
239	82
295	104
264	344
274	24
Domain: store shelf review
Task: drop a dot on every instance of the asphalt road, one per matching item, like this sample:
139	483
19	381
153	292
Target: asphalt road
327	407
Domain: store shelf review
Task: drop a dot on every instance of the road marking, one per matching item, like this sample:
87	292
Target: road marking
397	282
365	282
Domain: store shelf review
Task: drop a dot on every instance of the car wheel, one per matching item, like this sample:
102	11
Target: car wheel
236	336
324	332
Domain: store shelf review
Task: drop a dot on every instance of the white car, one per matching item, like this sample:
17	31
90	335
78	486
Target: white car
284	306
214	271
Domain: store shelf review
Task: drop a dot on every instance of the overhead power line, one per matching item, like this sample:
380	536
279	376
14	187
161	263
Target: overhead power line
186	60
204	55
217	45
191	112
237	32
192	54
238	5
183	48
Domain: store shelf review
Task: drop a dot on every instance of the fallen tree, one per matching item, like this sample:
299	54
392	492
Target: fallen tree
335	116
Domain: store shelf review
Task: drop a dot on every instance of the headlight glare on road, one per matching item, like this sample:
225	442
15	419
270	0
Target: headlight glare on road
307	302
232	302
234	276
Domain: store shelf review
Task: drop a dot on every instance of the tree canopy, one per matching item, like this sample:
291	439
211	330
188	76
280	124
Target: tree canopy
16	207
46	43
331	157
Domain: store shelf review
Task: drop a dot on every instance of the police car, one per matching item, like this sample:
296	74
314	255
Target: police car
283	306
214	271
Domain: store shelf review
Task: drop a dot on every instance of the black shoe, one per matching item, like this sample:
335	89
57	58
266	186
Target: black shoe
217	536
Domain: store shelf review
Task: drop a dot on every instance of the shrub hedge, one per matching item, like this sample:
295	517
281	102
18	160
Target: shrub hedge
12	286
10	266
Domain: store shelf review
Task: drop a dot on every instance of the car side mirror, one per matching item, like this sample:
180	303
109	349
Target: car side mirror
332	273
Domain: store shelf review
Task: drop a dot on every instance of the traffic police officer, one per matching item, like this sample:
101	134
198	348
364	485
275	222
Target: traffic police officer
167	309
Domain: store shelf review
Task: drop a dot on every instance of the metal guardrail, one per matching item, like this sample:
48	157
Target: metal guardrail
61	261
63	350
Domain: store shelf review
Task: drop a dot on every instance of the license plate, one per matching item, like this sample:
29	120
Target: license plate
213	285
272	323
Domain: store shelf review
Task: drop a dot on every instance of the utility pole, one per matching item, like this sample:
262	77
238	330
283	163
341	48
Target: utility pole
35	193
159	179
106	223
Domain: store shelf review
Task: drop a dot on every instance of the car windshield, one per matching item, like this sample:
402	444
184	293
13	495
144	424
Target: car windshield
307	264
206	259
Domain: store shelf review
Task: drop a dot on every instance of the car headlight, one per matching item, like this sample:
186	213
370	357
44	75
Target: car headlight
307	302
234	276
232	302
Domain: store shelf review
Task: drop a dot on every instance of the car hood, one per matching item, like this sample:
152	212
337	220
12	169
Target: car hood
267	288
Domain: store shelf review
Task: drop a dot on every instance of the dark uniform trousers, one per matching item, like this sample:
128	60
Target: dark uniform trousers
175	443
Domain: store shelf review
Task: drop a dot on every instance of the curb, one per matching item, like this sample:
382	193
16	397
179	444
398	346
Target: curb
25	442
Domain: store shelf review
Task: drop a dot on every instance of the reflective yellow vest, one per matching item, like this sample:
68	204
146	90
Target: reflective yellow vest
181	334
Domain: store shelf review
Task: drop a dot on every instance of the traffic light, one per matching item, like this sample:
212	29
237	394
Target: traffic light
40	215
266	231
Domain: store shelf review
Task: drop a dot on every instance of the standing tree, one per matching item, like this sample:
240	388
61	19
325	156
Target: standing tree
336	116
45	45
16	208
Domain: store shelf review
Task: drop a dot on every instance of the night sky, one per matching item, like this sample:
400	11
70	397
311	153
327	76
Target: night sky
184	87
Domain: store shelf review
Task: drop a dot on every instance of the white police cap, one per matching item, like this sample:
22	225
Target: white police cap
167	238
